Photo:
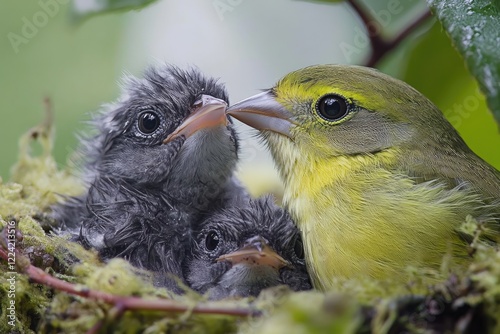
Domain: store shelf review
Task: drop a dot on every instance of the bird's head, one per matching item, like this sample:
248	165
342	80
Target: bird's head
241	251
168	116
340	110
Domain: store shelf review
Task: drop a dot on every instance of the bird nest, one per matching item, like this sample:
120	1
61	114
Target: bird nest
52	285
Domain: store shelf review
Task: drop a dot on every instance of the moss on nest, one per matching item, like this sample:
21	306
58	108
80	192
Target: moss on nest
467	301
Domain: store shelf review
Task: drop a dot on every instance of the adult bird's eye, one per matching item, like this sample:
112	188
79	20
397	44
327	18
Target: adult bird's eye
332	107
148	122
299	249
212	240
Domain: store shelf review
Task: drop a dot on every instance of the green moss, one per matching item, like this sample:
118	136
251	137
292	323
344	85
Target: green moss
310	312
117	278
12	203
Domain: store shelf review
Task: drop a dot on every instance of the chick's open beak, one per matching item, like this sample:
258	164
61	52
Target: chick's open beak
207	112
255	251
263	112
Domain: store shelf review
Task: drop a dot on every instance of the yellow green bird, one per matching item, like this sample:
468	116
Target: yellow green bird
375	177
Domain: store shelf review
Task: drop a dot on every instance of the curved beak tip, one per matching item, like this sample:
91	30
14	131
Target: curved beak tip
206	112
255	253
263	112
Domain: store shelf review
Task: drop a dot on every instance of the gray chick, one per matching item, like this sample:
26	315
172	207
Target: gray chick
161	158
241	250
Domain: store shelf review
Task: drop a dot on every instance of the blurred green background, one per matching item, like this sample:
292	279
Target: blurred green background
248	44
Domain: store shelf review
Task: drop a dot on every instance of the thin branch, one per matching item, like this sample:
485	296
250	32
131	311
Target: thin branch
368	19
123	303
380	47
410	28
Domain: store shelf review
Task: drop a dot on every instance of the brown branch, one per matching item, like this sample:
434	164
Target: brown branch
380	46
375	39
121	303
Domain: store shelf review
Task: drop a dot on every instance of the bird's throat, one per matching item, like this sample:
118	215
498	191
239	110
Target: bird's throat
308	176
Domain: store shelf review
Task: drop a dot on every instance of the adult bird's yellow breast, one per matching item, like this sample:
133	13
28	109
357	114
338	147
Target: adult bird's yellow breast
359	218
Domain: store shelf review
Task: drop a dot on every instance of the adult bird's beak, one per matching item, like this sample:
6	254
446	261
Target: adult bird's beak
207	112
263	112
255	251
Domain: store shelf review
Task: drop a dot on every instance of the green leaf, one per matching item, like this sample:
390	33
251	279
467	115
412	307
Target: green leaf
438	71
474	27
85	8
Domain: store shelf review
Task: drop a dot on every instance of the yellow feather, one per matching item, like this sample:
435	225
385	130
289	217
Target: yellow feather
359	219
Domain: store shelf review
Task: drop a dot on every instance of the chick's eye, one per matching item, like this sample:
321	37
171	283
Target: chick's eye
148	122
212	240
299	249
332	107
